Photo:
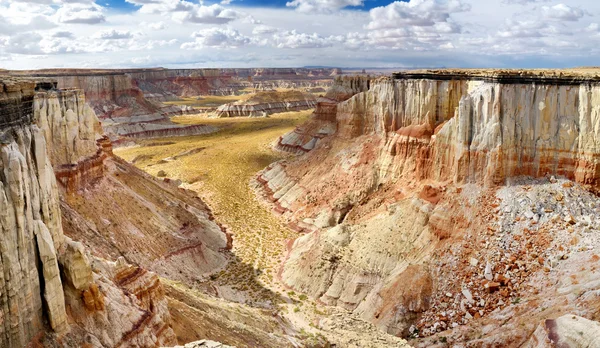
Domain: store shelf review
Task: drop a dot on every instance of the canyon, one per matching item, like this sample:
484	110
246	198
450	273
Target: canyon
130	102
424	208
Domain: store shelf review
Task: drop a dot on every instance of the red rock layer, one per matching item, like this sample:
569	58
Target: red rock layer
76	176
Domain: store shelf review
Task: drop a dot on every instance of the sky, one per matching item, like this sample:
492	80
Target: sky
38	34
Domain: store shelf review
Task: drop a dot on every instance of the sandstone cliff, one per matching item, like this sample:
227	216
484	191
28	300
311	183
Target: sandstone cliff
30	288
176	237
400	204
118	210
322	123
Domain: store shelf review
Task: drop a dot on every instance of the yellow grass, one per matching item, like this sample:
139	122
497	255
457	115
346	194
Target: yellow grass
205	101
221	172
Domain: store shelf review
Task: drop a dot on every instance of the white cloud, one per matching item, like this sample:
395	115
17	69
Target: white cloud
41	33
113	34
23	43
523	2
216	37
80	14
154	25
213	14
294	39
418	13
63	34
563	12
184	11
415	25
322	5
263	29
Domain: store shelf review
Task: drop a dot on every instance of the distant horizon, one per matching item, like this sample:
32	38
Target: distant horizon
310	67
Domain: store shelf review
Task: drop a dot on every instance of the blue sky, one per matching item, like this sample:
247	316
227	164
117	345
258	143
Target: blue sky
367	5
278	33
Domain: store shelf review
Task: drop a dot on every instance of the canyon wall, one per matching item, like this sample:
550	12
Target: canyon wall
387	197
31	289
105	198
129	102
56	290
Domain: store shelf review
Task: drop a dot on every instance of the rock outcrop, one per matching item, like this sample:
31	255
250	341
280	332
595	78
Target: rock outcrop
204	344
30	288
53	290
118	210
130	102
411	171
566	331
322	123
265	103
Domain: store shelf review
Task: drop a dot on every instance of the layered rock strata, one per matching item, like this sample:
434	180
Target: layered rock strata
104	198
53	290
262	109
386	199
31	289
130	102
322	123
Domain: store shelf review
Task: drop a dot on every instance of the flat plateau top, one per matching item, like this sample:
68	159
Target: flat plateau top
559	76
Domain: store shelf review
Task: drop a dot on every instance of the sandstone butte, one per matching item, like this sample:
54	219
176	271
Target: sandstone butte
452	207
268	102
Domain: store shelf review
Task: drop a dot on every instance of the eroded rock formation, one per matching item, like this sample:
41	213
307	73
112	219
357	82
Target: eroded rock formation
322	123
30	288
130	102
265	103
401	204
54	289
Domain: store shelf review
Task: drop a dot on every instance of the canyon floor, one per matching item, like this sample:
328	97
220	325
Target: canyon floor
220	167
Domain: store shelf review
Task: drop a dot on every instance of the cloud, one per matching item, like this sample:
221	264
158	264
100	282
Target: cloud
113	34
63	34
563	12
308	6
80	14
213	14
23	43
263	29
294	39
35	22
216	37
418	13
184	11
151	44
523	2
157	26
415	25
